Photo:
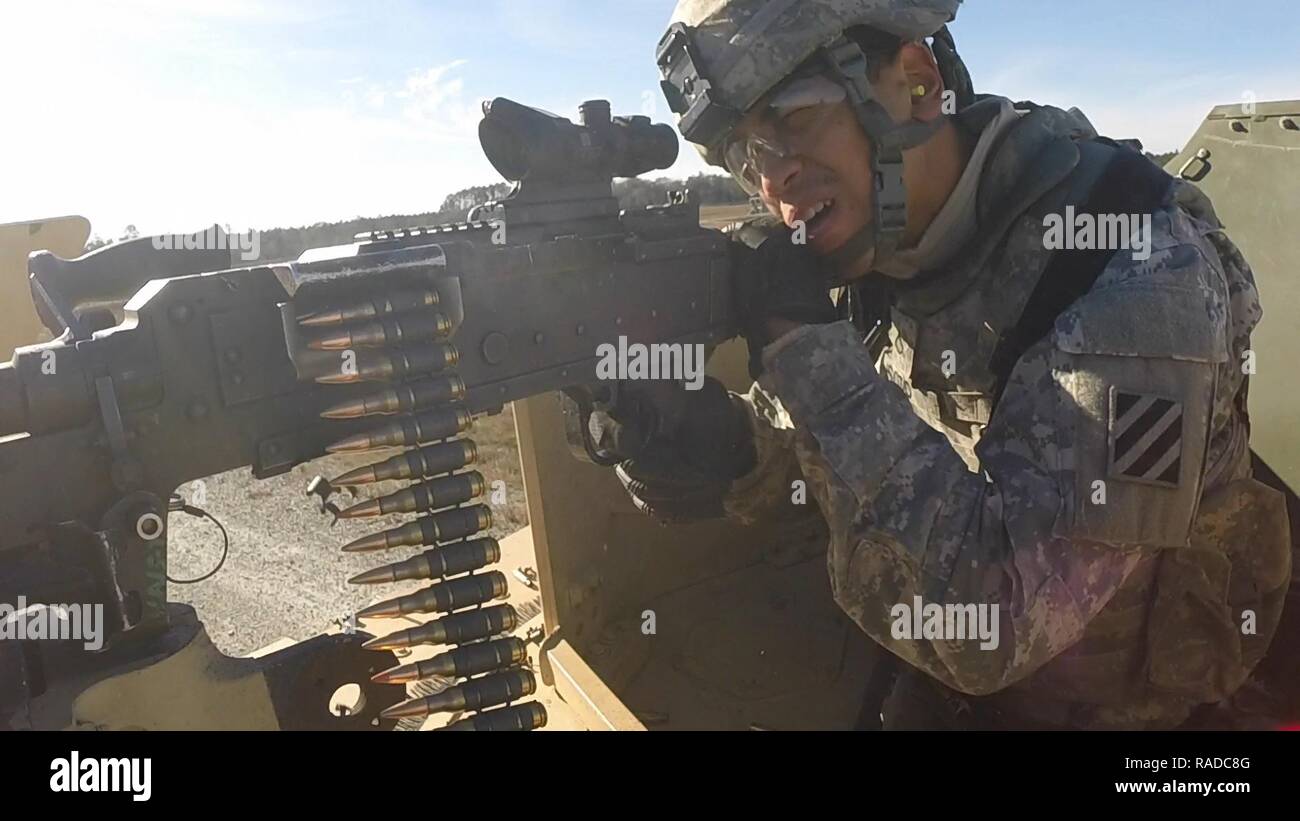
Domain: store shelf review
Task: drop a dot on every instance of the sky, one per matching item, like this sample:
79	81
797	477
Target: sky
171	115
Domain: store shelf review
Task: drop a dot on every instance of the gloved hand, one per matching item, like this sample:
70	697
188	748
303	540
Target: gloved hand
777	280
682	449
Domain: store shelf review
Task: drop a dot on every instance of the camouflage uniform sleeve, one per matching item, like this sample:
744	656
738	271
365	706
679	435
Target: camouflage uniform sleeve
1059	518
764	493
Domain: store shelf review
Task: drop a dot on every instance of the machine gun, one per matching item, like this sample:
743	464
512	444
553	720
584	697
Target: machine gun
271	365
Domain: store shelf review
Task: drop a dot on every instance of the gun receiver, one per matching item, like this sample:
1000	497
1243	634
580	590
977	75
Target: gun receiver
218	370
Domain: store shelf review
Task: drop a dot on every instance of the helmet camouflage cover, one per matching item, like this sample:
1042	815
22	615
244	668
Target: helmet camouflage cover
719	57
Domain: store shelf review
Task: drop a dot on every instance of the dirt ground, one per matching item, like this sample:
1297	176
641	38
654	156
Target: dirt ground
285	575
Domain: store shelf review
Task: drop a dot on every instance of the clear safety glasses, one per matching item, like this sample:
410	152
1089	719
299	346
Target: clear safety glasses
750	152
794	120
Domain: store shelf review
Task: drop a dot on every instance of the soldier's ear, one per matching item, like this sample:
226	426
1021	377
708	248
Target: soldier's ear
924	81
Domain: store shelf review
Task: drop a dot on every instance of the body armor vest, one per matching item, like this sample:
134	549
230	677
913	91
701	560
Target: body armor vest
952	351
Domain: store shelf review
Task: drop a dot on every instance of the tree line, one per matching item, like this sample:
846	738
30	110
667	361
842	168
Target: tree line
282	244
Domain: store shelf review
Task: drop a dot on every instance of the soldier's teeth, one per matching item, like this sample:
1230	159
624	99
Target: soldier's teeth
808	214
816	210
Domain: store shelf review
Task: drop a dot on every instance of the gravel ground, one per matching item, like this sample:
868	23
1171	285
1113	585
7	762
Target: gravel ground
285	575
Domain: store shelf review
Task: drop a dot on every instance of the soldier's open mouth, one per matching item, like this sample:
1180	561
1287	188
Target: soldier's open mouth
821	214
807	216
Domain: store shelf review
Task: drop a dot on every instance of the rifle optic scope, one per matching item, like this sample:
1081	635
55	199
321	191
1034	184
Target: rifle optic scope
529	144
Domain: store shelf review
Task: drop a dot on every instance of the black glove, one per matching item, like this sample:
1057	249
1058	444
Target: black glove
776	279
682	449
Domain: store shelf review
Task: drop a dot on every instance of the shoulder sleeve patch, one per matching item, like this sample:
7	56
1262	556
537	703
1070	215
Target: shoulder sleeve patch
1146	438
1159	321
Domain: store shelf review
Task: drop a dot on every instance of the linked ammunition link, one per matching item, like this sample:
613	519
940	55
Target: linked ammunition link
398	338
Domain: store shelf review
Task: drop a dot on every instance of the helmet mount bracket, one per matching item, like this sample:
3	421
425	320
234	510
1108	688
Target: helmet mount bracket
704	118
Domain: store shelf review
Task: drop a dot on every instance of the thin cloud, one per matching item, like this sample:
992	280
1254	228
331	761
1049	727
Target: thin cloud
429	103
435	98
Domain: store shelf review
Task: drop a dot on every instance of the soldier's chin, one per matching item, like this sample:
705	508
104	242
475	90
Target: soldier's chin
847	269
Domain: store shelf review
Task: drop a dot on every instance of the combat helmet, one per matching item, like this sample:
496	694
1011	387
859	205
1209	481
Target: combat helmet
720	57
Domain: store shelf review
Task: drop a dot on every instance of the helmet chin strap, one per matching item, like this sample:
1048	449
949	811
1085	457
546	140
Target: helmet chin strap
885	233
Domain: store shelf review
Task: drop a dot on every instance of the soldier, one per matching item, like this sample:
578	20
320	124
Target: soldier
1029	396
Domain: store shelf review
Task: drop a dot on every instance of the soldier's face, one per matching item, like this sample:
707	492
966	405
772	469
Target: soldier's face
820	178
820	185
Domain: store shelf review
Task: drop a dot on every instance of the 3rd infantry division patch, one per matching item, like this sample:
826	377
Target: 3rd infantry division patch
1146	438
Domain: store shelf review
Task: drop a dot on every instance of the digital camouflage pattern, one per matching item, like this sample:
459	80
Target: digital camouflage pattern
1124	603
748	46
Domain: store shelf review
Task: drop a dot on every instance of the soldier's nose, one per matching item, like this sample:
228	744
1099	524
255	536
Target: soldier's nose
779	173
